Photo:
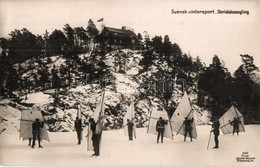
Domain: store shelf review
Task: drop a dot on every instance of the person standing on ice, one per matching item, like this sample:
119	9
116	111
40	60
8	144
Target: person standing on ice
160	127
78	128
130	127
95	137
215	130
187	127
36	131
235	124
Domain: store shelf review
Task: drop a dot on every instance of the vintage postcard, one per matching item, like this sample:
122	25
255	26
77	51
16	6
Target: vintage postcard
130	83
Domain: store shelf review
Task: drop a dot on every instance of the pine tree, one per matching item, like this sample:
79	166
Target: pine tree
92	29
214	81
247	89
81	38
11	80
23	45
56	43
139	36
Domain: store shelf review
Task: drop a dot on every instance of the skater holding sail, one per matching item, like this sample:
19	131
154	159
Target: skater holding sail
95	137
235	124
160	127
78	128
187	127
36	131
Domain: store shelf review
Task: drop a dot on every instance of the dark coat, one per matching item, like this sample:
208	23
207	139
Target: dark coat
78	125
215	127
36	127
187	124
160	125
130	126
93	129
235	123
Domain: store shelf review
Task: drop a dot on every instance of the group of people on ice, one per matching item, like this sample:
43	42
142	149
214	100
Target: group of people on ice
216	125
186	125
160	127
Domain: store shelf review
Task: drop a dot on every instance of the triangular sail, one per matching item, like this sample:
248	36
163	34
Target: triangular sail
154	117
183	110
89	140
98	117
228	117
27	119
130	114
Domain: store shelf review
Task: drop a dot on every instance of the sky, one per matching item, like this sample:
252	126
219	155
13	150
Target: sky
203	35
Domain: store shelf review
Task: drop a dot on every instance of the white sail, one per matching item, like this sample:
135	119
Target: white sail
27	119
130	114
79	111
154	117
228	117
183	110
98	117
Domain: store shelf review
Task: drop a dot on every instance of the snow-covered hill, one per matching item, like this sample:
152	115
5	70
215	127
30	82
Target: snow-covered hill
59	107
9	118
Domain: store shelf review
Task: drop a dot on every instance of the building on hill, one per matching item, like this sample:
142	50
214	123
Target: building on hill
118	38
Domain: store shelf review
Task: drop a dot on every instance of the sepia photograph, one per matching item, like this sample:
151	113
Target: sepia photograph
144	83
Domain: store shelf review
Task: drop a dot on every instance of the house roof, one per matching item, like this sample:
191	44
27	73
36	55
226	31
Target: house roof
120	31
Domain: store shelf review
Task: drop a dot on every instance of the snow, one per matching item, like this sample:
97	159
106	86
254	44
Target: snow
124	84
117	150
85	88
131	66
4	101
9	119
84	55
38	98
58	61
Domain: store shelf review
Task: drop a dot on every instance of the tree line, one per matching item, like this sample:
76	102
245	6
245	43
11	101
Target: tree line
23	45
217	89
